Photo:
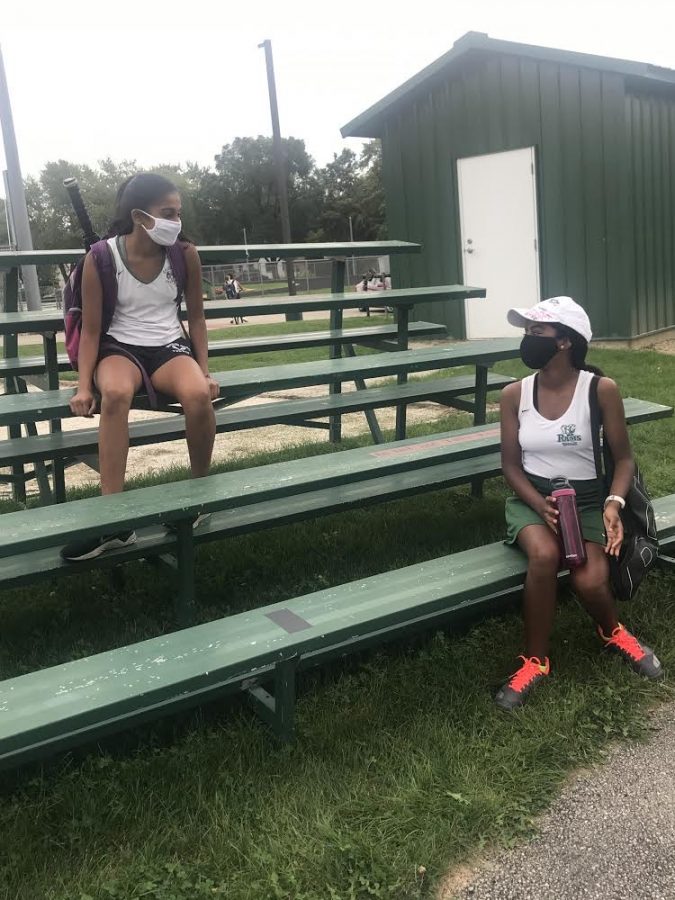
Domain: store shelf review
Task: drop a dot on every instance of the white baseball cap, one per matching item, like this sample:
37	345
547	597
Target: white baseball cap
562	310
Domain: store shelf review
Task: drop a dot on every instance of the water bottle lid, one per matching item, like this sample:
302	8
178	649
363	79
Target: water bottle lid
560	482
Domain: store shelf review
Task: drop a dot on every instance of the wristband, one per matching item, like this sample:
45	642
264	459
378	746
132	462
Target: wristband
619	500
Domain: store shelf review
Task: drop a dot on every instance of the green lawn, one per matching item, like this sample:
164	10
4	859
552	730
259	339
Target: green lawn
402	760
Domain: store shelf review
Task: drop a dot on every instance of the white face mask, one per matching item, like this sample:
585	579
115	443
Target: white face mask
165	231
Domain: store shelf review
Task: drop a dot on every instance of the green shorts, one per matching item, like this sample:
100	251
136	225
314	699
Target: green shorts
590	497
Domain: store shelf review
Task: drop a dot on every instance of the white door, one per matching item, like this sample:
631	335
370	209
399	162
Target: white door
498	218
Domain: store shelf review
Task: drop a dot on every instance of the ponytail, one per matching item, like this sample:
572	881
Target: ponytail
578	350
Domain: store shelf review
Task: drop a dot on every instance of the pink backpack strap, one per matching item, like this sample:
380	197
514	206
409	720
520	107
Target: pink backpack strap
176	254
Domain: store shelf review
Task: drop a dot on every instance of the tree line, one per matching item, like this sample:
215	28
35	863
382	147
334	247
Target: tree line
239	192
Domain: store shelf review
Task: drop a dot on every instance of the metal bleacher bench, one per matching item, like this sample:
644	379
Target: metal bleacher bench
237	385
379	336
51	710
249	500
338	341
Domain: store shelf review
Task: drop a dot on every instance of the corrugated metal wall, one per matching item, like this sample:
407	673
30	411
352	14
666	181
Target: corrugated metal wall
575	118
650	122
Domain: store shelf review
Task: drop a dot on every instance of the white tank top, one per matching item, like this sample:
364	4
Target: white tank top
145	314
563	446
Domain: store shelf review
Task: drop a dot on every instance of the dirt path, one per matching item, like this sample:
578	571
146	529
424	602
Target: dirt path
610	834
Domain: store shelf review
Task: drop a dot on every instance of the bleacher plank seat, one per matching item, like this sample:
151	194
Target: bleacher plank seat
254	499
367	336
71	444
62	706
241	383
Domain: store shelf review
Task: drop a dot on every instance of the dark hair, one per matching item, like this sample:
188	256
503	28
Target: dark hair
139	191
578	350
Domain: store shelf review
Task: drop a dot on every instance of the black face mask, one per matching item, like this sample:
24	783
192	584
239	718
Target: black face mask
536	350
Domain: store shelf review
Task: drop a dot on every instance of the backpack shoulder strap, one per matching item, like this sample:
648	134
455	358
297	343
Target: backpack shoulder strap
176	254
596	423
107	272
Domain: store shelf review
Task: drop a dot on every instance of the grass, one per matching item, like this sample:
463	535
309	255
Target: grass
402	760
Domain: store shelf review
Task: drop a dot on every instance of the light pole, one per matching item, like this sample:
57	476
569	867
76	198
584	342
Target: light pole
16	194
282	179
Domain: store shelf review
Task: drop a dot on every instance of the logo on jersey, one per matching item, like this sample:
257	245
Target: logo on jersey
568	435
170	277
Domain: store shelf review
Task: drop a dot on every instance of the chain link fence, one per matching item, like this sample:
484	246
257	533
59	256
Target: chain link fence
264	278
259	278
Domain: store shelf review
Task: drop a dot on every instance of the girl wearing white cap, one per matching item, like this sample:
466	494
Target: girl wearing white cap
545	433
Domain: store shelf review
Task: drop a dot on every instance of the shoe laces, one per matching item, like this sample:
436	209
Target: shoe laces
624	641
531	668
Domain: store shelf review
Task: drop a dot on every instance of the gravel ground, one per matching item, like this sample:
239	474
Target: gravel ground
610	835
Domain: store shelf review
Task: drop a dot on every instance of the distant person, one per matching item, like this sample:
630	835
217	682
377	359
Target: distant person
365	284
233	291
144	341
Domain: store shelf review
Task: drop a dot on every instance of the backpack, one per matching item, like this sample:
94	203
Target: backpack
640	548
231	291
105	265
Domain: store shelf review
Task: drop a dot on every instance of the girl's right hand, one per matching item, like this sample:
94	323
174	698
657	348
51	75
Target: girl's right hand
548	510
83	403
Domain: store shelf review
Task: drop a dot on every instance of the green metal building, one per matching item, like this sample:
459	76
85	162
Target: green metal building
595	216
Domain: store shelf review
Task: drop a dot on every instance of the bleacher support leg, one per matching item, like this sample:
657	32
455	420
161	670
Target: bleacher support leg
49	341
21	387
11	349
402	377
371	417
185	557
335	350
480	417
278	711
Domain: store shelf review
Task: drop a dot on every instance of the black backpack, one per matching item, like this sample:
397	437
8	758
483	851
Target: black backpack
640	548
231	291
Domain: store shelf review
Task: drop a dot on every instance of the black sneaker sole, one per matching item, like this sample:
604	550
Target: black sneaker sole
112	544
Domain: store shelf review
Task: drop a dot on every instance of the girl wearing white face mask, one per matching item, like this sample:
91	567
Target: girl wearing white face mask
145	338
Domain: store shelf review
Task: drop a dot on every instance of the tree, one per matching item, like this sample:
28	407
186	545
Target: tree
53	221
246	195
372	221
241	192
352	187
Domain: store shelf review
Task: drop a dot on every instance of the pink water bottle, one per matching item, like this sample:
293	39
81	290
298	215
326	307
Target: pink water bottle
570	535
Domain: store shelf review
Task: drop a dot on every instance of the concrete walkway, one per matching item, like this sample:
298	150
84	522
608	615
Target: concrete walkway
609	836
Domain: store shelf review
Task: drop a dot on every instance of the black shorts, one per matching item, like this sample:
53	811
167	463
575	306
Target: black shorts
151	358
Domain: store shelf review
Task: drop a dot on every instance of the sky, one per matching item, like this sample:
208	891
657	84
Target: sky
169	82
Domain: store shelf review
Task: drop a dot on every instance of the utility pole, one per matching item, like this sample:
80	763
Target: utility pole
282	174
16	194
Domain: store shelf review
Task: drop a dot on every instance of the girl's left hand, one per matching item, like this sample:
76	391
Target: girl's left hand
613	529
214	387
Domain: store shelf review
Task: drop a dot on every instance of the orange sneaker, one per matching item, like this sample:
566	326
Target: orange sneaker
639	657
515	692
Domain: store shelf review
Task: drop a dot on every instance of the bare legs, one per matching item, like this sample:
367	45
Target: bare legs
590	583
118	379
182	378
